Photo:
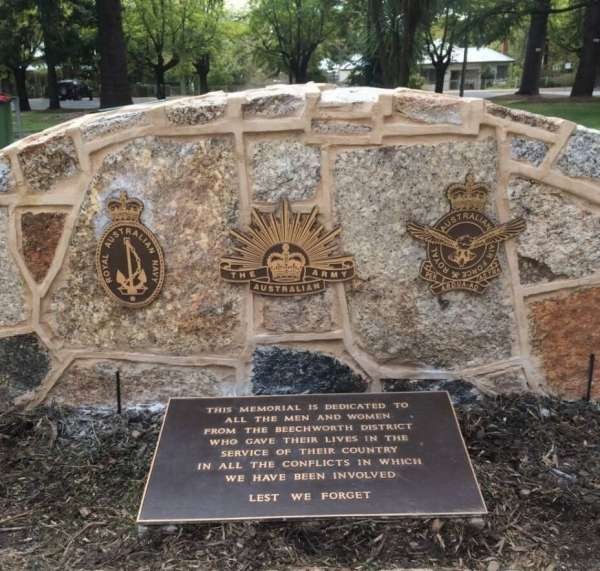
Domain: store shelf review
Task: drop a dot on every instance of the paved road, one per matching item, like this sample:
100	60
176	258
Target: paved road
42	104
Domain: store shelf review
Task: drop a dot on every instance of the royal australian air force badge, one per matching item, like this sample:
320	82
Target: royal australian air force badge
129	258
462	246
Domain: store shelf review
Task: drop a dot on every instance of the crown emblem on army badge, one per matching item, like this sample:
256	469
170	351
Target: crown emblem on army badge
129	259
462	246
286	254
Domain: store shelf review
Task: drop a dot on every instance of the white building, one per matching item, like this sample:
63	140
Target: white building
485	67
339	73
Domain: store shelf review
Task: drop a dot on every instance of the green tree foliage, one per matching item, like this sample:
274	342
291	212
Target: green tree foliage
288	33
52	24
232	62
205	35
20	38
68	32
164	34
443	34
157	30
393	38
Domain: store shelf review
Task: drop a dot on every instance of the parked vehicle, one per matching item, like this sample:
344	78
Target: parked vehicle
73	89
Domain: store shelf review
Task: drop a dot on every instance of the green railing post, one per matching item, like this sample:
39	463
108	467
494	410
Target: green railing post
6	127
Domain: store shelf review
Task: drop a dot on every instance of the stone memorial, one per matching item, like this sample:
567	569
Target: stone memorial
371	165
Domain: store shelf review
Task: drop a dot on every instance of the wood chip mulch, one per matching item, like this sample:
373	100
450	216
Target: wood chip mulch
71	482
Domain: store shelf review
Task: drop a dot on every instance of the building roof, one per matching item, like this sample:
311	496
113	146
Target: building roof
348	65
474	55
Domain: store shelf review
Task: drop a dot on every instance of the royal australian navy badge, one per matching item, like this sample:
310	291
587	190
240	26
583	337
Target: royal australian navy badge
286	254
129	259
462	246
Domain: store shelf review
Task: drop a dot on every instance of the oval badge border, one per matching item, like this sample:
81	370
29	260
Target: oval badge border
161	282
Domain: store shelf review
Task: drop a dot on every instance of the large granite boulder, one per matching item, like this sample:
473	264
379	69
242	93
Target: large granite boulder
372	160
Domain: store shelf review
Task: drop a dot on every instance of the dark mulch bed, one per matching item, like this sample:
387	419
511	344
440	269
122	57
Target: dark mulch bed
70	484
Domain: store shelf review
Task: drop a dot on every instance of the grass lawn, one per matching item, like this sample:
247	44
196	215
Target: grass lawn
585	112
35	121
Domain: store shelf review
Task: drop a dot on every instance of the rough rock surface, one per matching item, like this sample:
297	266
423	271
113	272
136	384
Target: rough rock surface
468	390
314	313
50	158
6	178
339	127
561	239
93	383
461	392
510	381
581	157
197	111
190	194
40	233
13	307
284	168
393	314
564	332
271	103
427	107
24	362
529	150
551	124
350	96
277	371
103	125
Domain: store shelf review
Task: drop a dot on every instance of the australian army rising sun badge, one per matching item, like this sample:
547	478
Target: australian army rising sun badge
288	254
129	259
462	246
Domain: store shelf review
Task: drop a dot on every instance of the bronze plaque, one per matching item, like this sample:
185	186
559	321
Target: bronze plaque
310	456
129	258
284	255
462	246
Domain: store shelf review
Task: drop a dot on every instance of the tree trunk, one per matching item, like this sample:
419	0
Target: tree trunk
413	12
301	76
302	70
589	59
536	39
159	73
54	102
21	83
463	71
383	51
202	65
50	23
440	75
114	83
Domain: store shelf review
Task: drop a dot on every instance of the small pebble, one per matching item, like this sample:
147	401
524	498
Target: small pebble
476	523
524	493
436	525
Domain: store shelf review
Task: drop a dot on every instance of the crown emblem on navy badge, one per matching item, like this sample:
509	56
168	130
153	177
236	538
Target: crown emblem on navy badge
286	254
129	258
462	246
